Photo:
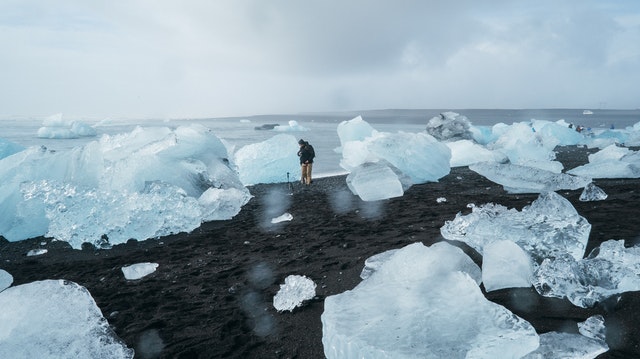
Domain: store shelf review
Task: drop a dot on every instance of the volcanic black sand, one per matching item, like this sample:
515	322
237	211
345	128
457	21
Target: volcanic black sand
211	296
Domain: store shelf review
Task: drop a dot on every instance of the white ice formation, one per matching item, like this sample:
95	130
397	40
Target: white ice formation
295	290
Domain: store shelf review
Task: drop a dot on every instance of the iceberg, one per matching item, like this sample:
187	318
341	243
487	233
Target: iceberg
592	193
525	179
292	126
138	270
450	126
143	184
466	152
55	319
611	162
403	310
270	161
374	182
609	270
295	290
55	127
549	227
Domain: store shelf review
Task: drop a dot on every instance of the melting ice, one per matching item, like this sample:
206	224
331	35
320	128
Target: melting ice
403	309
55	319
144	184
548	227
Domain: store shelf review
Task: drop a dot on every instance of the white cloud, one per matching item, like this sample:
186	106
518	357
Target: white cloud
163	58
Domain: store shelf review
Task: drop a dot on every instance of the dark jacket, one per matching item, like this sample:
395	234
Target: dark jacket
307	154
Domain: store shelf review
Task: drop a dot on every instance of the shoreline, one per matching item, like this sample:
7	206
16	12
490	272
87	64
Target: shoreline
211	294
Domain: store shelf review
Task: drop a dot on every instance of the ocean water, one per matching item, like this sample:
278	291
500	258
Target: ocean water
321	128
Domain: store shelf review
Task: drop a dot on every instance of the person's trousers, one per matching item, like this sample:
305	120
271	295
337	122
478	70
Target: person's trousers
306	173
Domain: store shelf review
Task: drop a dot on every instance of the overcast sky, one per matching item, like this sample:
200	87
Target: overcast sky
213	58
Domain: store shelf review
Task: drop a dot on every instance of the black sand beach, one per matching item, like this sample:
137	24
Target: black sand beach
211	296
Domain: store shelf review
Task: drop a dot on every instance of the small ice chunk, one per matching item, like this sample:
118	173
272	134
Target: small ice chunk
506	265
557	345
6	280
37	252
593	328
139	270
285	217
593	193
441	200
295	290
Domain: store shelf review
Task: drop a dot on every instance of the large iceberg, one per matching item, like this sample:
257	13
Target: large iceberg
525	179
55	319
143	184
549	227
403	310
414	157
610	269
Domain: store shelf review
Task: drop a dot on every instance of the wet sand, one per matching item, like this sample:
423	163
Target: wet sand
211	296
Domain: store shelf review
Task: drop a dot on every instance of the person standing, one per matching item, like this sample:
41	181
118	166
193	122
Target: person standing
306	154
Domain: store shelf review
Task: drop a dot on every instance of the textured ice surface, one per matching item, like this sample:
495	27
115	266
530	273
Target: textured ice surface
525	179
593	328
550	226
55	319
295	290
557	345
403	310
506	265
449	126
592	193
138	270
608	270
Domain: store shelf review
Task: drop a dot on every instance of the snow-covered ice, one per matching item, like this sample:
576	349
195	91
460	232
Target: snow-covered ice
138	270
55	319
295	290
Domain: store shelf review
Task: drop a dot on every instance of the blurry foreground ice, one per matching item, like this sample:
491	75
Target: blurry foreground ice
138	270
588	344
403	310
55	319
144	184
550	226
295	290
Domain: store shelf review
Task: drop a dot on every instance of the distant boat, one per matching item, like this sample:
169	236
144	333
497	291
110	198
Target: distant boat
587	112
